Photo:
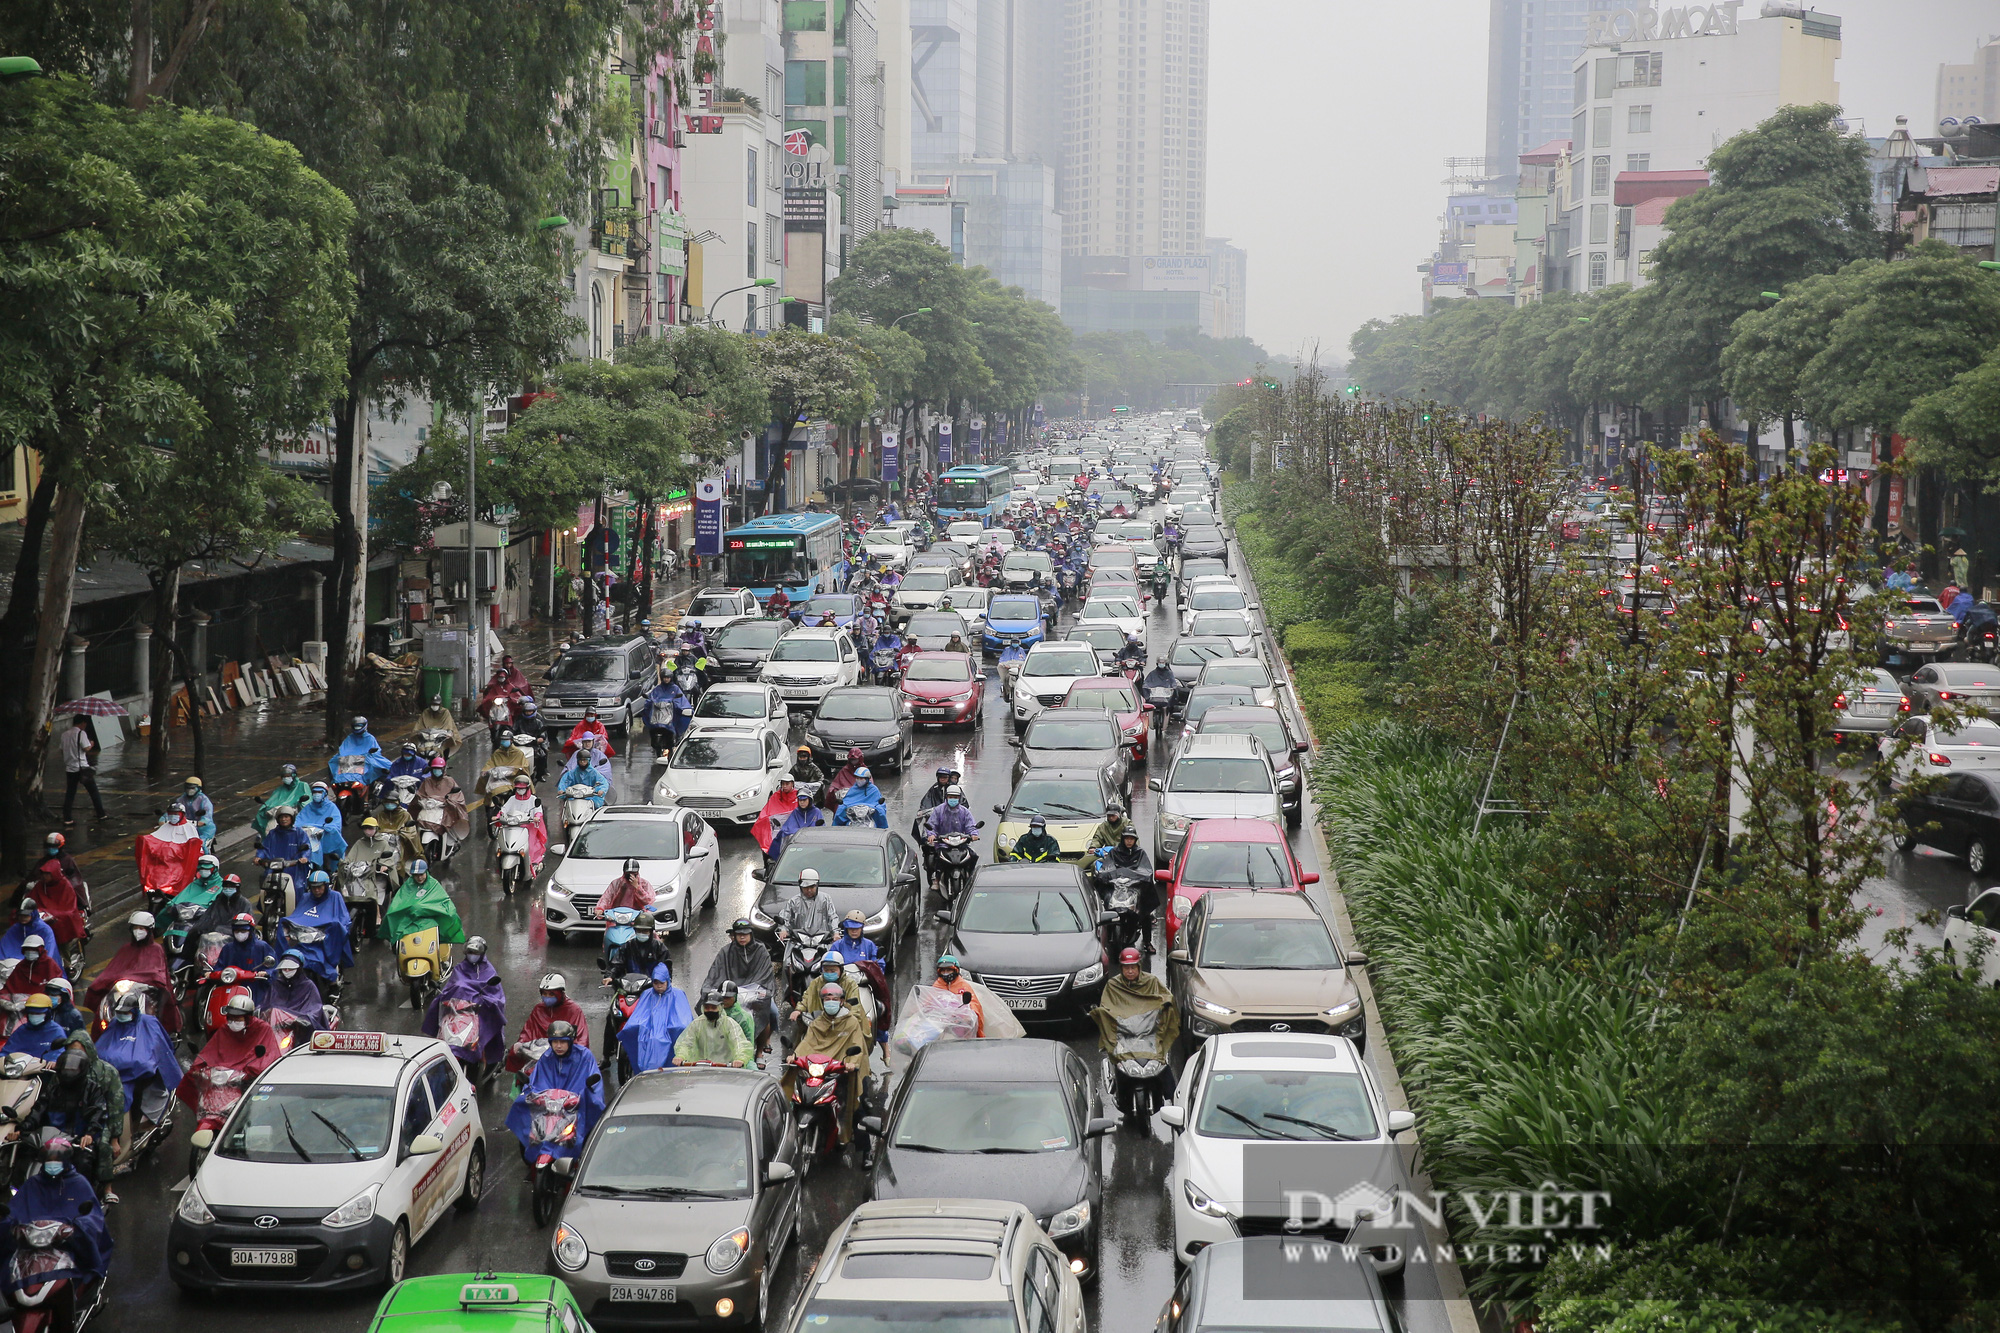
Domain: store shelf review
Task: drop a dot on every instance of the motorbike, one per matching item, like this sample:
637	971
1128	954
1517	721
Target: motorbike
630	987
274	898
882	664
1119	887
423	961
802	955
221	1087
440	843
510	852
138	1145
150	1001
551	1123
1135	1064
329	986
212	991
458	1025
1161	697
350	785
496	784
196	962
957	858
45	1291
365	886
618	932
579	803
295	1029
20	1089
433	742
818	1086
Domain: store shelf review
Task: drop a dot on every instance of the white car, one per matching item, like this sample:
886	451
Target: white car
1212	595
1214	776
1245	1088
724	773
890	547
1969	929
711	610
1234	626
922	588
1046	675
808	662
1120	612
678	855
333	1164
968	530
1922	746
745	704
970	602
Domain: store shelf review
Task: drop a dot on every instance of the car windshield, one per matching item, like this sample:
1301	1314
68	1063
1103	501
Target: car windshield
705	752
1220	622
1014	608
1118	699
1217	599
852	866
926	580
714	606
1285	1104
1061	800
1060	664
1109	611
615	840
839	603
1195	569
1024	912
839	706
881	537
935	625
1272	734
1276	945
1246	672
730	703
1070	733
309	1123
1038	561
983	1118
1239	776
1237	865
668	1157
1107	637
939	668
925	1316
1194	654
1205	698
754	635
588	666
799	648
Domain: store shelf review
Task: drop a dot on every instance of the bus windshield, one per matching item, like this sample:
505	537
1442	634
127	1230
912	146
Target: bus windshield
766	566
961	492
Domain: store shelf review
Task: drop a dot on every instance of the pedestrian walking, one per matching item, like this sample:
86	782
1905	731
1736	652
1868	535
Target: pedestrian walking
79	752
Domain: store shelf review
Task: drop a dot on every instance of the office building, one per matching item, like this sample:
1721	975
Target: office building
1228	284
732	186
1531	45
1971	89
834	122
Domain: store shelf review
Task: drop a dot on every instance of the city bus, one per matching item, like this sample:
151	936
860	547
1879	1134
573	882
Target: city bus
799	552
976	490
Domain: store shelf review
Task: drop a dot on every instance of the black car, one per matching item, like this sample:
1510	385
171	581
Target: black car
1231	1284
1200	569
612	673
1107	640
876	870
873	719
1204	697
740	650
1197	543
1960	817
1074	738
1030	933
1006	1119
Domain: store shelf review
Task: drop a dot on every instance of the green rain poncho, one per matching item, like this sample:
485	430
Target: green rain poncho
418	907
295	794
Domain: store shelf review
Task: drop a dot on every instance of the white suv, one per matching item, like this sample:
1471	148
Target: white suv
1214	776
716	607
1047	672
808	662
922	588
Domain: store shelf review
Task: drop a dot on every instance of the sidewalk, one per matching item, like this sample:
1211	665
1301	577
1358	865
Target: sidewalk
245	750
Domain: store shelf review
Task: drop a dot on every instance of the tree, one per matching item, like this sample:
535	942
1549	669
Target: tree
715	377
1764	366
811	375
896	272
1524	368
1958	426
1382	356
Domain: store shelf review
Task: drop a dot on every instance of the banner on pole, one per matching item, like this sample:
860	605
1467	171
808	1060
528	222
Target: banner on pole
888	459
708	516
944	445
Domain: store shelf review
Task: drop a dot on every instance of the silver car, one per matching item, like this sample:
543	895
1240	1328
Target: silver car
1869	706
1213	777
684	1201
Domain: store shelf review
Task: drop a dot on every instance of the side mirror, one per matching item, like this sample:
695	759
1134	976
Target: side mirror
1402	1120
1014	741
1153	784
979	823
778	1172
999	810
854	1050
942	917
757	873
1173	1117
1145	708
873	1124
1163	876
426	1145
1956	911
559	849
1099	1128
201	1138
1178	956
1310	877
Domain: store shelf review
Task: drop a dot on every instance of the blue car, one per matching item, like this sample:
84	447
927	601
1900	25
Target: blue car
1013	618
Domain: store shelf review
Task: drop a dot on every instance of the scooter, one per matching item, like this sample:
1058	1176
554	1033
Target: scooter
20	1089
45	1290
440	843
802	955
214	990
274	897
510	852
1119	887
365	887
882	663
142	1138
618	932
630	987
350	785
579	803
304	938
818	1087
957	858
423	961
433	742
150	1000
551	1124
219	1089
1135	1064
458	1025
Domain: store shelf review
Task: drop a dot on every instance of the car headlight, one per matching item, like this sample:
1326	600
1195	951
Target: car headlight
1200	1202
814	738
665	795
569	1248
881	918
759	920
745	794
1174	823
1003	842
557	889
1132	732
1070	1220
192	1209
1210	1007
728	1251
889	740
1181	905
354	1212
1346	1010
1093	973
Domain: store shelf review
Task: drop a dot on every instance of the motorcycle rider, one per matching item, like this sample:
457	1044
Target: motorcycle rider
805	771
420	903
57	1191
293	991
244	1042
811	913
54	848
569	1064
836	1030
832	968
712	1039
439	785
952	816
62	1002
863	801
804	816
1107	833
143	1054
28	921
628	889
590	730
1980	620
506	756
321	909
934	794
291	791
554	1006
1135	991
1161	677
650	1035
474	980
584	772
360	741
82	1099
1129	855
438	718
778	605
1037	844
1132	656
142	961
39	1034
531	737
384	853
252	958
846	777
644	949
778	807
323	814
950	978
666	715
524	803
285	848
410	764
200	810
743	962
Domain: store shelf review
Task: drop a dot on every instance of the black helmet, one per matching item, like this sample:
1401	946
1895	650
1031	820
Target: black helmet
71	1066
632	865
740	926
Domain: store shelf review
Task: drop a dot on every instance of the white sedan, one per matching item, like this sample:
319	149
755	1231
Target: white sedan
744	704
711	610
888	546
1922	746
1119	612
723	773
1234	626
678	856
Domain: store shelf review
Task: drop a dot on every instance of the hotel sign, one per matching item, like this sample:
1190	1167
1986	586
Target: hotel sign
1649	25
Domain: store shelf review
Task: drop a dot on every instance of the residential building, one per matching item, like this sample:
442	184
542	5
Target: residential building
732	185
1971	89
1531	45
1952	192
1228	289
1534	213
834	129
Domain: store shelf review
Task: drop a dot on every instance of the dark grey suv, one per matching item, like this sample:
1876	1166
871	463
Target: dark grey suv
612	673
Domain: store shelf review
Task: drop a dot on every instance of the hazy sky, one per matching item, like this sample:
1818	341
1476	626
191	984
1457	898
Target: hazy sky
1329	122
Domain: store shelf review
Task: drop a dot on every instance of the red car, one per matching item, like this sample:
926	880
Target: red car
944	689
1228	854
1116	695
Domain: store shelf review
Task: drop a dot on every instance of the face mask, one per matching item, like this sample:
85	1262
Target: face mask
37	1018
52	1168
830	973
242	937
951	801
139	937
127	1016
835	1010
551	1000
289	973
715	1017
237	1024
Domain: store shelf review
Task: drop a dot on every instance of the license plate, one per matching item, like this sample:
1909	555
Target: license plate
264	1258
933	712
1895	658
638	1293
1033	1002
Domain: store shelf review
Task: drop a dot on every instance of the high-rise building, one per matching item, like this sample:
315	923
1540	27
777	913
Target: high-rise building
1971	89
1228	281
1530	47
1135	153
731	179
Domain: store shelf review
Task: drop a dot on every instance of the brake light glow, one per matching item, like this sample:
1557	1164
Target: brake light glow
1941	760
1840	701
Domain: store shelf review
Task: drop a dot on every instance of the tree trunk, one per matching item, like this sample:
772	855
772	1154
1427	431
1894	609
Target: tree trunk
193	687
1791	458
17	637
1930	507
350	563
52	632
166	617
142	54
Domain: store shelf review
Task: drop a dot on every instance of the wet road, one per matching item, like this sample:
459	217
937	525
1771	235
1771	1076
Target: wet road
1136	1267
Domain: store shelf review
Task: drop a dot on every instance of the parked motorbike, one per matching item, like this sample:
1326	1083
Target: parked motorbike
551	1124
45	1290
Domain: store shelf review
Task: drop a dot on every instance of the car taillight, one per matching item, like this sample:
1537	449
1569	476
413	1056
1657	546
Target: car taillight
1941	760
1903	707
1840	702
1944	694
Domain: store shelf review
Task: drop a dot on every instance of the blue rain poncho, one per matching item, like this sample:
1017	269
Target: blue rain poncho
656	1023
139	1050
577	1072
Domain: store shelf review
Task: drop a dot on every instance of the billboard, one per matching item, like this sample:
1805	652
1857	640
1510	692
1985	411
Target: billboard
1450	273
1173	273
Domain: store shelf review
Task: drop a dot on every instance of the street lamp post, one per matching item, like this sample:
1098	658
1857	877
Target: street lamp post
761	282
920	310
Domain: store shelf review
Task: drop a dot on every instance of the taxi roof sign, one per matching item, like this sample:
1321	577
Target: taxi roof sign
488	1293
350	1043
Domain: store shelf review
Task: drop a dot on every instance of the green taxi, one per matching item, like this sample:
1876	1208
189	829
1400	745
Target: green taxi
480	1303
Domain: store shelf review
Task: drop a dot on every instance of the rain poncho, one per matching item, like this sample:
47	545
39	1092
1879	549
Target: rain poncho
410	764
299	997
541	1017
55	894
42	1040
668	708
627	891
590	731
294	794
10	943
723	1042
583	773
140	1050
863	803
368	748
420	906
576	1071
803	817
325	816
949	818
200	812
252	955
329	914
835	1037
441	788
66	1198
1128	1005
167	854
745	964
144	964
474	980
777	809
656	1024
252	1051
288	844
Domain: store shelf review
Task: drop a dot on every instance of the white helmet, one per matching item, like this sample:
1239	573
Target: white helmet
808	876
142	920
554	981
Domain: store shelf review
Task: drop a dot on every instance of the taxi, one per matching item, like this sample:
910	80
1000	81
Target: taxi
338	1159
480	1303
